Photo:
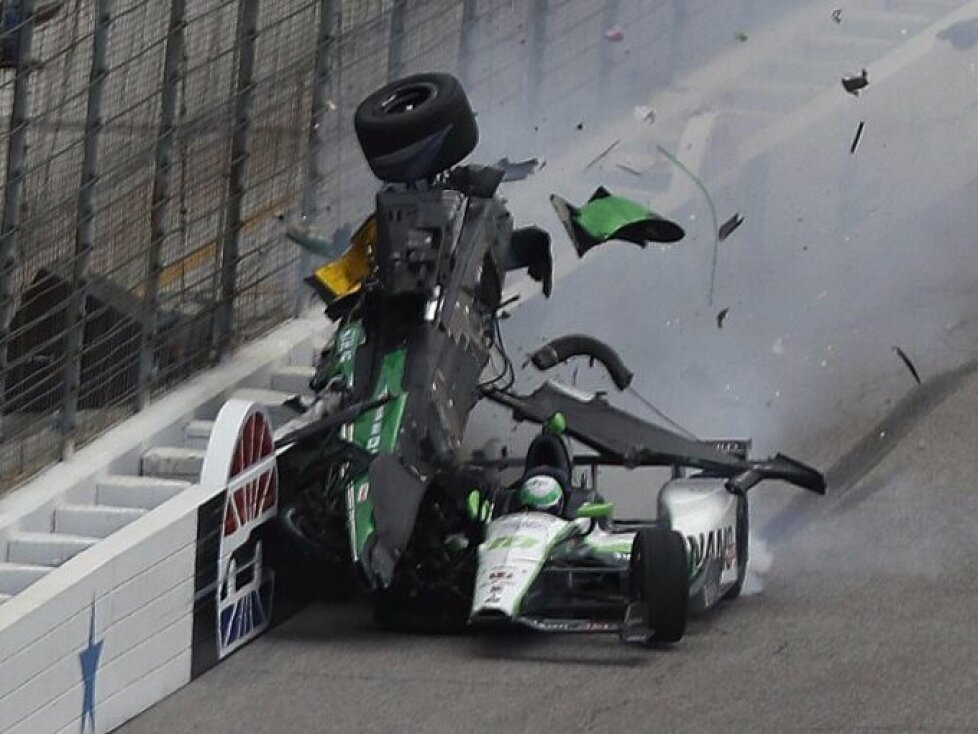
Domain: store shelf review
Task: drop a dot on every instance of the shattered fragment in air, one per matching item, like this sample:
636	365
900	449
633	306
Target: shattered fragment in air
628	169
517	170
615	34
853	84
859	134
906	360
644	114
728	227
606	217
600	156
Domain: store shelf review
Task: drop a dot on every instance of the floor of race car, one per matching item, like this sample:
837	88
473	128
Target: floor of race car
864	621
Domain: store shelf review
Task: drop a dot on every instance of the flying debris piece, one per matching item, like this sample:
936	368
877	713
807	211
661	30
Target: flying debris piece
713	212
859	134
517	170
602	154
728	227
721	316
961	35
615	33
906	360
778	346
629	169
645	114
837	15
606	217
853	84
580	126
740	36
331	105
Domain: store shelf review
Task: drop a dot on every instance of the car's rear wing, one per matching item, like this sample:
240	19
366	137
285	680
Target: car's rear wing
622	439
780	467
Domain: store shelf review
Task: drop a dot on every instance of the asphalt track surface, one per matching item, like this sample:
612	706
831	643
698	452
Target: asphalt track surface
862	615
865	622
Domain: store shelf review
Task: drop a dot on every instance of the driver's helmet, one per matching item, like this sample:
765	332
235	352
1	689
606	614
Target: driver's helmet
542	492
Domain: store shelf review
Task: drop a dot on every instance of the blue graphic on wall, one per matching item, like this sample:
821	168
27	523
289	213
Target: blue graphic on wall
89	664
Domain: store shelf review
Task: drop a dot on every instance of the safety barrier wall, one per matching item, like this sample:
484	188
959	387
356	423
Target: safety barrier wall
107	634
135	616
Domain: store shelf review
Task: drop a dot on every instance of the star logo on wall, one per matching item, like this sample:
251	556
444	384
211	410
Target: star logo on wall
89	664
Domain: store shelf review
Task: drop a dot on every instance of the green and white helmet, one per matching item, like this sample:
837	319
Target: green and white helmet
542	491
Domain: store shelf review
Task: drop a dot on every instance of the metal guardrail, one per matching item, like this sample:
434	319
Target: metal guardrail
150	152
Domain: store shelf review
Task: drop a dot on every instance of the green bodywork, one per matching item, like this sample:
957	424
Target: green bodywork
374	430
603	218
342	357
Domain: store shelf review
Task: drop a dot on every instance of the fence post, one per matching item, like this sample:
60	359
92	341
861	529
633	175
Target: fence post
395	47
14	187
538	44
240	152
165	145
470	26
313	187
83	229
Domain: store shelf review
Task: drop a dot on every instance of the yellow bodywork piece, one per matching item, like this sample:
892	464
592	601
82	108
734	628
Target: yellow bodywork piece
344	276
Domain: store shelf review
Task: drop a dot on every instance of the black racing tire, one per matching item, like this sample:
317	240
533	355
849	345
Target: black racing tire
415	128
305	569
743	536
659	578
437	614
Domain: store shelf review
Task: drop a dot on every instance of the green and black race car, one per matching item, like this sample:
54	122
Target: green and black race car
378	482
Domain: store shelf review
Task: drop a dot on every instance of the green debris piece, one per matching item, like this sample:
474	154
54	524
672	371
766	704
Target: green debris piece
741	36
607	217
472	504
603	217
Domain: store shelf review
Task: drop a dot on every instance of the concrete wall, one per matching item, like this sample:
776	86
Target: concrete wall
129	600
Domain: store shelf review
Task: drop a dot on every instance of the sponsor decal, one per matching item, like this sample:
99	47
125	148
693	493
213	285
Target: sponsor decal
512	541
731	446
347	342
569	625
717	543
234	585
245	586
376	426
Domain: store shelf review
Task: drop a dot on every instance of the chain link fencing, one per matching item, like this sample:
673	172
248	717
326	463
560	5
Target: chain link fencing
152	154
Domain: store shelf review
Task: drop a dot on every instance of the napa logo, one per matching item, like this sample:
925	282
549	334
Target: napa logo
717	543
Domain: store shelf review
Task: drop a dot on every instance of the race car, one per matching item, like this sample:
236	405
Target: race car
553	559
376	481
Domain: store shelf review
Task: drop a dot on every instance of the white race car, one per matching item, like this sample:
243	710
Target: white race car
554	560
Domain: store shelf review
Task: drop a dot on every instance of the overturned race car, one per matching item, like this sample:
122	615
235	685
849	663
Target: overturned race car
375	487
